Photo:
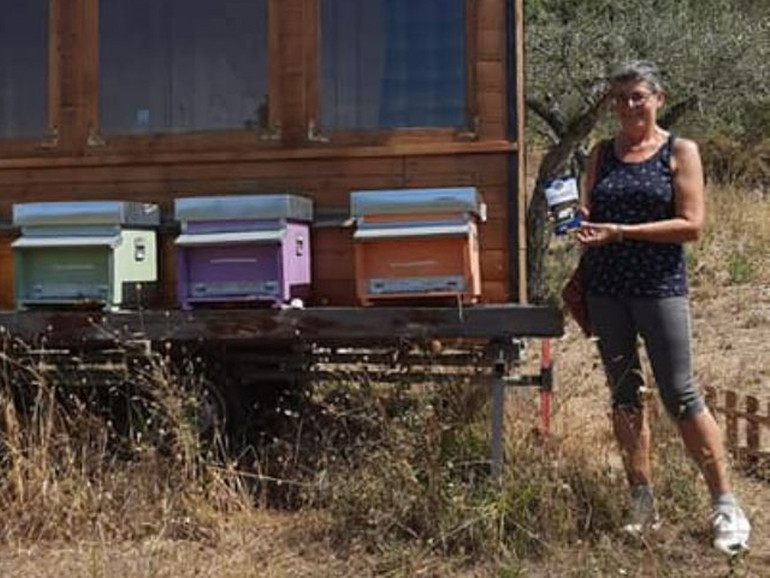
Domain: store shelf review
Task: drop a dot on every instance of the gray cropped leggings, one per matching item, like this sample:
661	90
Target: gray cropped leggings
664	325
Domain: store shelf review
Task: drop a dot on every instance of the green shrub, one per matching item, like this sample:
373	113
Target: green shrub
741	268
736	160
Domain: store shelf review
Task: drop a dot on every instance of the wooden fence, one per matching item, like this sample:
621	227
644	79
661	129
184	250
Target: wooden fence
742	415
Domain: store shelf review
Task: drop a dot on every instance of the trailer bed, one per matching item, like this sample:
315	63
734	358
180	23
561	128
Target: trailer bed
328	325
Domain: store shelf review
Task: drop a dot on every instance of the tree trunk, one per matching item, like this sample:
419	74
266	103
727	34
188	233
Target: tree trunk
677	110
555	163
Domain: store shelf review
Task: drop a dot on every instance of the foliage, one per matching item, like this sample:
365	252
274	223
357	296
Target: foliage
716	50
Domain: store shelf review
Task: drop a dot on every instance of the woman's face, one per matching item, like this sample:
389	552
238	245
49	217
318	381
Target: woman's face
636	103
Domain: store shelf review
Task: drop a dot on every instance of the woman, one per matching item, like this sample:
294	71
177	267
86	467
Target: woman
645	201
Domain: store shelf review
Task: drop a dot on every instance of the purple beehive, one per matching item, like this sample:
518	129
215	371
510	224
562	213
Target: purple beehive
248	248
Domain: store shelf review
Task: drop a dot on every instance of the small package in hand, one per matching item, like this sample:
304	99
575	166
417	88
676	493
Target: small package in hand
563	200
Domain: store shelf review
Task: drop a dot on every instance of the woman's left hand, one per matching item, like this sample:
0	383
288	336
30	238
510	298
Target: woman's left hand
598	234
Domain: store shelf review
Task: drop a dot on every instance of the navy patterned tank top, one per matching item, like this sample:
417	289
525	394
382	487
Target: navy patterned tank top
632	193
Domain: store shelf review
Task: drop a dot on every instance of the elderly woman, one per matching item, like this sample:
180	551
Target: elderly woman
644	201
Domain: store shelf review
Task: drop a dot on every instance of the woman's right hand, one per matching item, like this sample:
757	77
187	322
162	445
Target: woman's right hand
599	234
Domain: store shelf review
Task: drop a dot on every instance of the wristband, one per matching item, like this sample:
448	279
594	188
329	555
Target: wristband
619	231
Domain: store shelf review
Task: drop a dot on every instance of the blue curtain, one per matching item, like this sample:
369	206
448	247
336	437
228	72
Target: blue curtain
23	68
393	64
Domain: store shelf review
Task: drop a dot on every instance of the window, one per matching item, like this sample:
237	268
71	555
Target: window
23	68
182	65
389	64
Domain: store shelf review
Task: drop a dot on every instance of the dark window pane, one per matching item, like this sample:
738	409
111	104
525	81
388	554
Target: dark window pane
181	65
393	63
23	68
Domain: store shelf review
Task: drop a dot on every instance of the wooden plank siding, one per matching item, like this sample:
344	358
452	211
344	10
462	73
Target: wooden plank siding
84	164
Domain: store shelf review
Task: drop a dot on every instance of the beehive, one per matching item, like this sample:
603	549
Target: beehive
243	248
417	244
101	253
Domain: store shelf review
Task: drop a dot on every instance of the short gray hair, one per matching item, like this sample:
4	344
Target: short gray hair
637	70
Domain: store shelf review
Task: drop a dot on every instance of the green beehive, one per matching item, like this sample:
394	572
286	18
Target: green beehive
85	253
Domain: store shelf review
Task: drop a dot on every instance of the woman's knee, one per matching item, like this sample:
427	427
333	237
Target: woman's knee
627	395
683	404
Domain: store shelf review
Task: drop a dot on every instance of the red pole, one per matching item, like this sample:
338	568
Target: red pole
546	386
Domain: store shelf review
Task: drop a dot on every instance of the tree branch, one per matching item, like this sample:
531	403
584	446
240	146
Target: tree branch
576	132
550	115
555	162
677	111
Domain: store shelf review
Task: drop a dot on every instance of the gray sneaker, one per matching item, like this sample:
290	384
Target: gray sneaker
642	515
731	529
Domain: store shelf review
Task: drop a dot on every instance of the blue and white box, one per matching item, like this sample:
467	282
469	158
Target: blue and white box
563	200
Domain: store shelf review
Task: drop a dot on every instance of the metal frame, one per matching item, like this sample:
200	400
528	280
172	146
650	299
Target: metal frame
500	327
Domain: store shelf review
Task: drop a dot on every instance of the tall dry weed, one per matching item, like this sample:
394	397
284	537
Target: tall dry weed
737	162
735	248
420	476
390	468
69	471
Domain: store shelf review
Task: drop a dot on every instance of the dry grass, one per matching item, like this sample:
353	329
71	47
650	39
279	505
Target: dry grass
70	473
374	481
736	246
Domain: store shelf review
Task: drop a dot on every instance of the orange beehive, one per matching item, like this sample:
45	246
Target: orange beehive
417	244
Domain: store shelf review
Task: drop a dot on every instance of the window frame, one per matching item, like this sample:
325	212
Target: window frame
50	139
293	89
97	142
401	135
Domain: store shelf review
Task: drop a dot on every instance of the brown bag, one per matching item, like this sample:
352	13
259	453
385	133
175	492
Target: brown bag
573	295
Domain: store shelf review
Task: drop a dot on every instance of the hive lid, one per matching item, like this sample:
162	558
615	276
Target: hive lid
85	213
405	231
241	207
405	201
195	239
111	241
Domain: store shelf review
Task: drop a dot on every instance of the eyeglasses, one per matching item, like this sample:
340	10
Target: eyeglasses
633	99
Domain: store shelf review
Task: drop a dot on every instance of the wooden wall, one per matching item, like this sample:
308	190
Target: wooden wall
76	162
